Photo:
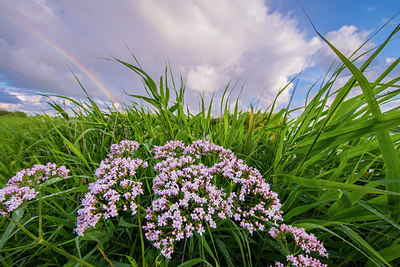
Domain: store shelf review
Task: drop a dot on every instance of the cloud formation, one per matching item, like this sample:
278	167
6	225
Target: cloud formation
6	97
208	42
15	99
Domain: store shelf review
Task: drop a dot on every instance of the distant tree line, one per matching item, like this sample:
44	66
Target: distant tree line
13	113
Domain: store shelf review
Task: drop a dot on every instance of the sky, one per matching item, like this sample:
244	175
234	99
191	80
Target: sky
259	46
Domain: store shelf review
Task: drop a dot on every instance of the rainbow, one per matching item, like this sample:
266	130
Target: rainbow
65	54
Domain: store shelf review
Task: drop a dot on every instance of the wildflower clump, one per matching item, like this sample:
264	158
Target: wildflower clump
301	260
115	188
306	242
200	184
25	185
196	187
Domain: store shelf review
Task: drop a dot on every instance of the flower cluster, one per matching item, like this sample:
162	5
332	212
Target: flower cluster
196	187
25	185
307	242
114	188
301	261
125	147
188	198
254	202
169	150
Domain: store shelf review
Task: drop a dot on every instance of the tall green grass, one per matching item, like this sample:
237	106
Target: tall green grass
335	168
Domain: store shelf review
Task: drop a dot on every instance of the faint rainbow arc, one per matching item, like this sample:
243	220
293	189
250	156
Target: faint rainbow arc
62	52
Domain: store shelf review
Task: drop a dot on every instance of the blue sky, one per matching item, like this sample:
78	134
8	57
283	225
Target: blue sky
329	15
367	15
259	44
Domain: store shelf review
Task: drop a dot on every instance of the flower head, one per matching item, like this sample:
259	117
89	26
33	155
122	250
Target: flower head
25	185
307	242
188	196
115	189
302	261
124	148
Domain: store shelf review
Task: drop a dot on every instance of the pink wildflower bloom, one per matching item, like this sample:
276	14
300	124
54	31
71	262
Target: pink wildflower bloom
38	174
301	260
168	150
124	147
264	203
200	229
115	188
187	198
24	185
185	182
307	242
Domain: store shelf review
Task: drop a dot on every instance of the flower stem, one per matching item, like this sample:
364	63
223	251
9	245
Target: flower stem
26	231
64	253
141	238
47	244
40	216
29	246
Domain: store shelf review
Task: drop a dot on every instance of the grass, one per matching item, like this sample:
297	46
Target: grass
334	167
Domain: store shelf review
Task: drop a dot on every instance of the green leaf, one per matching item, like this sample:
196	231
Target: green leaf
374	211
224	251
51	181
132	261
390	253
313	225
190	263
301	209
206	246
326	184
364	245
389	152
17	216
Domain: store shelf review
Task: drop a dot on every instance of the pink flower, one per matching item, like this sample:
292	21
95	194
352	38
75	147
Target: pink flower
115	188
188	197
307	242
301	260
25	184
124	147
200	229
186	182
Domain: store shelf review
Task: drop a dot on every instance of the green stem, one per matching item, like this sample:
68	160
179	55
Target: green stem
20	247
141	238
64	253
40	216
26	231
50	246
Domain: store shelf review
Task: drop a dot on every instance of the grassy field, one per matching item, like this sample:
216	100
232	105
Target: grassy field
335	168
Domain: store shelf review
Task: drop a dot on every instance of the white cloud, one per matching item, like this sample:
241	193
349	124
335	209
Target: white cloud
214	42
390	60
204	78
348	40
29	102
208	42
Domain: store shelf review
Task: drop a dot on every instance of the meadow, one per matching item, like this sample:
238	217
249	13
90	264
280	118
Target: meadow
335	169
